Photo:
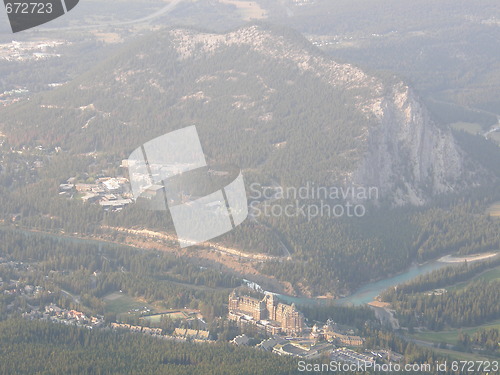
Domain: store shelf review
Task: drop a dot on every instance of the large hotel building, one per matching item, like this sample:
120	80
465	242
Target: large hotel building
267	313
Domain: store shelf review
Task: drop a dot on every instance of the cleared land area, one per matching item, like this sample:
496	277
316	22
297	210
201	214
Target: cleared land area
450	337
468	127
468	258
250	10
489	275
494	210
177	314
461	356
121	303
173	315
495	137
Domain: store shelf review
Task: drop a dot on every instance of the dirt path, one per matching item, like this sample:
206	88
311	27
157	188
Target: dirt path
149	234
468	258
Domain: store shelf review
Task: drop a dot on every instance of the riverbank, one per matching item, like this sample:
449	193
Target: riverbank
467	258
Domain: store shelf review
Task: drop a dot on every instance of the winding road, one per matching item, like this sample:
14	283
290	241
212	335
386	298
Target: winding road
165	10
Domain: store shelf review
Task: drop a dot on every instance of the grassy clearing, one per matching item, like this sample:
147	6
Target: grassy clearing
249	10
450	337
489	275
121	303
494	210
460	356
468	127
174	315
153	319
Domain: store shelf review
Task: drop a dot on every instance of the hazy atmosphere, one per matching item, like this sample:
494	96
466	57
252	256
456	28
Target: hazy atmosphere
250	187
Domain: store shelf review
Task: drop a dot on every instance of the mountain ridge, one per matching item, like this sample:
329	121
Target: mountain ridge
260	96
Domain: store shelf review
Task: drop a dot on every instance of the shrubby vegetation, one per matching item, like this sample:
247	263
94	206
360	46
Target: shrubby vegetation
440	278
351	316
481	150
476	304
448	60
230	111
324	251
94	270
485	339
41	347
55	348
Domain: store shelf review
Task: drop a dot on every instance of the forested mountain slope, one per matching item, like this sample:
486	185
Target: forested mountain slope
264	99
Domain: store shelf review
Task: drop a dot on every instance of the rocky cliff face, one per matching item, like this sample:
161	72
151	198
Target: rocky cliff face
408	157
